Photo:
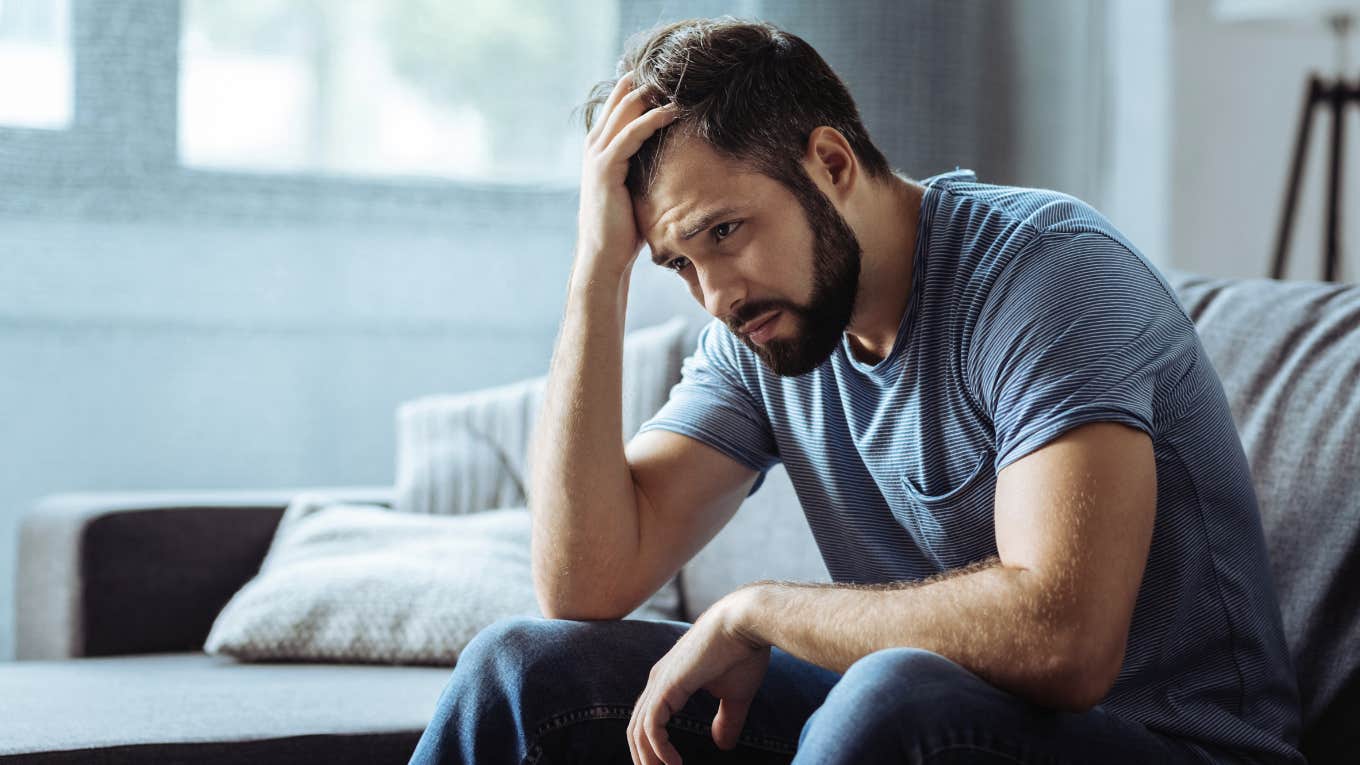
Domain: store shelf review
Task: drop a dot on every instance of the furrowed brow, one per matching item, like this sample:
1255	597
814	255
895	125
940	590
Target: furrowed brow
693	228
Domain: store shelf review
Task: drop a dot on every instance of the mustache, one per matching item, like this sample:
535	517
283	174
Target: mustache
750	311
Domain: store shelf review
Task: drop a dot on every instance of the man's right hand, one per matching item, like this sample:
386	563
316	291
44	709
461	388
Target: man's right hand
607	235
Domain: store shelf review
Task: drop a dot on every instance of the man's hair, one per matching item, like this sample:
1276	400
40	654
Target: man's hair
750	90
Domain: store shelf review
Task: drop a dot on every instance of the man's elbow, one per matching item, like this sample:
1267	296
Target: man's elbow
560	608
557	601
1083	674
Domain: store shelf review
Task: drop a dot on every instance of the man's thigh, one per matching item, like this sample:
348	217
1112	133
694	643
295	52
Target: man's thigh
565	690
908	705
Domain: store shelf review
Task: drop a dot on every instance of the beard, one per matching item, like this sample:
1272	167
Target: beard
820	323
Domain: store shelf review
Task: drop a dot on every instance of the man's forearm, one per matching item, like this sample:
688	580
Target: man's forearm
993	620
581	495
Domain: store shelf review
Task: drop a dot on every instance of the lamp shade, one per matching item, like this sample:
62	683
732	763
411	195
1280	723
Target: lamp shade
1284	10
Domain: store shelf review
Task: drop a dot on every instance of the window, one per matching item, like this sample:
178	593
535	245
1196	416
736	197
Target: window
35	64
309	110
474	91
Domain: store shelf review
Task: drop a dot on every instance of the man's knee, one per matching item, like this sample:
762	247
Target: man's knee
897	667
914	682
513	676
524	645
513	650
894	701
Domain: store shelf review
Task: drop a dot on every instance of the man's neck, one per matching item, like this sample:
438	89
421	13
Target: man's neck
887	236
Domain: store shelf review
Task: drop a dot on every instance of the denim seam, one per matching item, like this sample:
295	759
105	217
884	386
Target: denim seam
933	753
621	712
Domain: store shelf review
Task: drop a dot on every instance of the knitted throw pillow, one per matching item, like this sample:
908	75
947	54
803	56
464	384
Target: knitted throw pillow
363	584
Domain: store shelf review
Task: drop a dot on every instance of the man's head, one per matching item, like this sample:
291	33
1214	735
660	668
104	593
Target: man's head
757	107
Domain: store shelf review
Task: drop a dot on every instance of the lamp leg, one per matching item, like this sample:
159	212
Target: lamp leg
1312	95
1338	104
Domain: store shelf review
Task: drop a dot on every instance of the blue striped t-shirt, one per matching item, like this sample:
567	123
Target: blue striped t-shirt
1029	314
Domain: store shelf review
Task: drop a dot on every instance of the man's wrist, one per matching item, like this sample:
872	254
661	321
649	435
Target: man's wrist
743	612
592	266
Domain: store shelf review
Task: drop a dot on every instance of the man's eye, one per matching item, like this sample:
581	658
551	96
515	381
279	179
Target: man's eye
727	228
678	264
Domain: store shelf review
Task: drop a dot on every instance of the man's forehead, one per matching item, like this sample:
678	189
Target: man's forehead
691	180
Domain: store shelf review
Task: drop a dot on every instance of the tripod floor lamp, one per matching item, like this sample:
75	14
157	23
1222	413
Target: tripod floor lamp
1321	93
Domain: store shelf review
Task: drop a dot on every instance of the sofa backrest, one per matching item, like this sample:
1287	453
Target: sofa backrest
1288	354
768	538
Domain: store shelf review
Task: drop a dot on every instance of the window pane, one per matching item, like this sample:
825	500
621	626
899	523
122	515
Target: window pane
35	63
466	89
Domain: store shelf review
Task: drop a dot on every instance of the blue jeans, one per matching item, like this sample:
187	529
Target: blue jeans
554	691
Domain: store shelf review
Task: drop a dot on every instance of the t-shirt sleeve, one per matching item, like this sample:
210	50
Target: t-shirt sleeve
1077	328
712	404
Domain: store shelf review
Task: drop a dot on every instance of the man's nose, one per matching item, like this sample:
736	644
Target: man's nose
724	289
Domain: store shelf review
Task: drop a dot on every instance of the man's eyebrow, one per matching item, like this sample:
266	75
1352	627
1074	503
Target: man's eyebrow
693	228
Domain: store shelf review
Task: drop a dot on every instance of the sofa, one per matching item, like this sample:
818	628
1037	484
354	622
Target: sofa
117	591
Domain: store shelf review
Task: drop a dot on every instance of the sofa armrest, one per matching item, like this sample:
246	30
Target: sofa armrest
104	574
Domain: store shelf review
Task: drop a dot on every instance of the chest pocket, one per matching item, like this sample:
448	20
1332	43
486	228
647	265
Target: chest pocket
958	527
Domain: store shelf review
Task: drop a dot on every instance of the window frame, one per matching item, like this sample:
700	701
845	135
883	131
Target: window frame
127	83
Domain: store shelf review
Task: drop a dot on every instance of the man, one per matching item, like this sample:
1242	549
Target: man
1017	461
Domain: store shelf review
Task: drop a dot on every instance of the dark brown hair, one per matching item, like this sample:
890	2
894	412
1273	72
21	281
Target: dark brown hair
750	90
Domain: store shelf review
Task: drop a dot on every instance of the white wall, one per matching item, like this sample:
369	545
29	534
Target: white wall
1135	158
1237	94
1200	125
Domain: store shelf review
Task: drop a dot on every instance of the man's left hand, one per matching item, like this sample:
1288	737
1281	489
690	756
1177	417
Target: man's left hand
711	656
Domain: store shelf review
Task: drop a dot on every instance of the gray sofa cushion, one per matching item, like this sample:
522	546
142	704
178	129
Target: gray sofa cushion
768	538
200	708
1288	354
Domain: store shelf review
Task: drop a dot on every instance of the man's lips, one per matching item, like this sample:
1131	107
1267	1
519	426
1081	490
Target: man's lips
751	328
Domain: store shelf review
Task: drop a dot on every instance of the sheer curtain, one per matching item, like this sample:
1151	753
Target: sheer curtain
1013	89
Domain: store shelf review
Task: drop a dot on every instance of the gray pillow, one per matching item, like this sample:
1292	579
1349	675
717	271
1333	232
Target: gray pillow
464	452
363	584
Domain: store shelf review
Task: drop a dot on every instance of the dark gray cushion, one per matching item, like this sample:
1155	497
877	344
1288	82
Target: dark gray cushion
189	707
1288	354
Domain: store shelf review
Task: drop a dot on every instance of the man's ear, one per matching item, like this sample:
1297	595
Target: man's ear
830	161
